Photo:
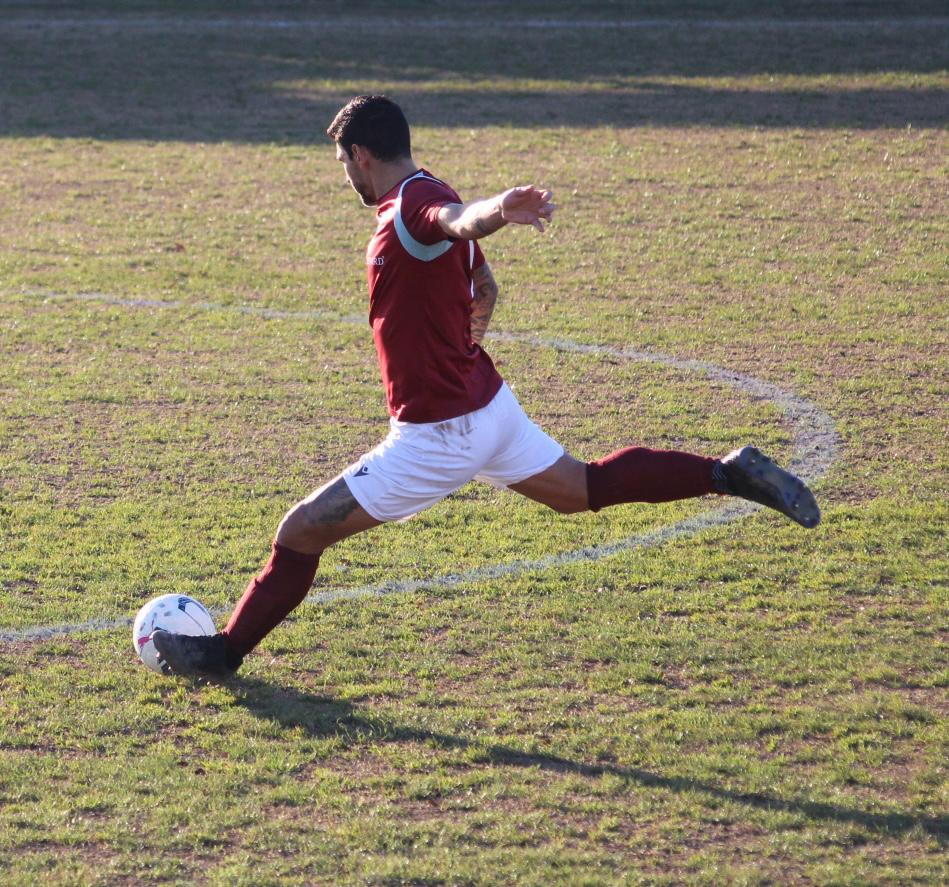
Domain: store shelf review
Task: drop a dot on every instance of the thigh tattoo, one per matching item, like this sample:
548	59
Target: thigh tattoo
335	503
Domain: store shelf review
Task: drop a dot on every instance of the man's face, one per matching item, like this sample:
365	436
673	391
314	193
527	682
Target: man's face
355	175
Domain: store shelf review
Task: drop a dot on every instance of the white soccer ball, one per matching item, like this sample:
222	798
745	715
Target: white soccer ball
176	613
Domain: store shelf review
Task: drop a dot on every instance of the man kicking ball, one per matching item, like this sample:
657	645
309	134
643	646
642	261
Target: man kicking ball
453	419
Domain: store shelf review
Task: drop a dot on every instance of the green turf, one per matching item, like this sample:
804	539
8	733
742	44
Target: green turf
753	705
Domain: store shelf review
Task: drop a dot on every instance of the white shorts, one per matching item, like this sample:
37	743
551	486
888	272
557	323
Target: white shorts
419	464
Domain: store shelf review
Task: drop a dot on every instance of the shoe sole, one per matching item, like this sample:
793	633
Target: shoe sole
790	494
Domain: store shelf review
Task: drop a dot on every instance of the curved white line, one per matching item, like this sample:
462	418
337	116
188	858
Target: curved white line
815	443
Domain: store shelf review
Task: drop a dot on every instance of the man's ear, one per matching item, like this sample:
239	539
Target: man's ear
360	154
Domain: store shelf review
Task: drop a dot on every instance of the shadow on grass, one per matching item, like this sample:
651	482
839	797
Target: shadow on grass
323	716
235	82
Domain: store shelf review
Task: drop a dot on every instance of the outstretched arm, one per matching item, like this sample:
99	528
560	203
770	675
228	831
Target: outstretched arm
479	218
482	305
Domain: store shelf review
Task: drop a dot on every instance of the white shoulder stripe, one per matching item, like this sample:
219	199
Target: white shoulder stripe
422	251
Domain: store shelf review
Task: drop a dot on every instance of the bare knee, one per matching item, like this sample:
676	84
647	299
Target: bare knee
324	518
562	487
301	531
301	518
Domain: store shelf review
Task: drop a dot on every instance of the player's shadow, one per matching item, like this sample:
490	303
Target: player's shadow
322	716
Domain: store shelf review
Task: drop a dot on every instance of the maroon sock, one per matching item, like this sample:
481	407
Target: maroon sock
638	474
282	585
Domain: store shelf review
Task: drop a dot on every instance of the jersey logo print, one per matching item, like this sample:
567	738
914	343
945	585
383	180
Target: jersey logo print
375	260
363	471
421	251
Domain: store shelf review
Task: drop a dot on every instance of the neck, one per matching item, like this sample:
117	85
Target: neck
386	176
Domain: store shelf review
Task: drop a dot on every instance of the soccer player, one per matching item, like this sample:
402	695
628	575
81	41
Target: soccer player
431	295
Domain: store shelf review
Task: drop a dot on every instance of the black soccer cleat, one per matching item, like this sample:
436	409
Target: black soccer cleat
750	474
203	656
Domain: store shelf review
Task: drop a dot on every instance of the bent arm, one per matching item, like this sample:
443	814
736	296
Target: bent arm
479	218
482	304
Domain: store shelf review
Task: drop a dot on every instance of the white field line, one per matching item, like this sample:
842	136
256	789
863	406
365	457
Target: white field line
203	24
815	443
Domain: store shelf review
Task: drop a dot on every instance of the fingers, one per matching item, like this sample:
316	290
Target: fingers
532	195
528	205
546	208
542	197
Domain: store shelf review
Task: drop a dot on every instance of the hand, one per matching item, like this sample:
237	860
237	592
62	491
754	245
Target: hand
527	206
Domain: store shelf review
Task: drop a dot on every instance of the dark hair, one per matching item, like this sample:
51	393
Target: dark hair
374	122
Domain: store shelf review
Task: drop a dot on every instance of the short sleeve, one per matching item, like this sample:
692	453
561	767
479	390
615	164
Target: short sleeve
421	201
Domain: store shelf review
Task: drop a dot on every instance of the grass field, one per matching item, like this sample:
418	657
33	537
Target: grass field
757	188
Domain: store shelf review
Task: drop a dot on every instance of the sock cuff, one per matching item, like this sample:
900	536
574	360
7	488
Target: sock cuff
593	502
297	557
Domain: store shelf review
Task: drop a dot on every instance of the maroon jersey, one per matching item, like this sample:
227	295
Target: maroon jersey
420	293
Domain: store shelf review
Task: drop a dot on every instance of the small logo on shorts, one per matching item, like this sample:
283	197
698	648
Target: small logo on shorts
375	260
363	470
